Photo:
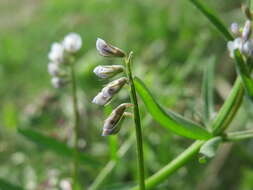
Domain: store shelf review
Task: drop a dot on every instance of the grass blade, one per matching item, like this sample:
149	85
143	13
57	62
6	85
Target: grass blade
170	120
56	146
213	19
244	73
208	89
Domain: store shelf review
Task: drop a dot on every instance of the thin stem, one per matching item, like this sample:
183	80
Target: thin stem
137	123
76	127
240	135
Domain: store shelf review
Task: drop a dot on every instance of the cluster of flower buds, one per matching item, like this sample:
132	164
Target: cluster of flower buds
111	124
59	57
243	41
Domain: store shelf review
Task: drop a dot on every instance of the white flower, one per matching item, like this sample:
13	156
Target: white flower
235	28
108	50
247	48
56	53
233	45
72	42
108	71
57	82
65	184
53	69
101	100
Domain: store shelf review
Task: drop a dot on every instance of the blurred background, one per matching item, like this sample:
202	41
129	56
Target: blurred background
172	44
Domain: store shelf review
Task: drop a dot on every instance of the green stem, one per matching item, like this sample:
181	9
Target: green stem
137	123
229	108
76	127
222	120
240	135
175	164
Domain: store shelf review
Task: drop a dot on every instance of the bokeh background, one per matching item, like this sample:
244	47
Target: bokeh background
172	44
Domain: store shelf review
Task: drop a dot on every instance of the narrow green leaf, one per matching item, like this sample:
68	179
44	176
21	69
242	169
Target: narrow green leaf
211	16
244	73
208	89
56	146
170	120
5	185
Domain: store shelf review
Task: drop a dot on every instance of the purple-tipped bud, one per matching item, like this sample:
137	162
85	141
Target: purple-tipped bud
111	123
58	82
114	86
101	100
108	50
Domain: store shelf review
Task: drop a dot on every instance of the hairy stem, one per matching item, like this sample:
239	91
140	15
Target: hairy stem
76	127
137	121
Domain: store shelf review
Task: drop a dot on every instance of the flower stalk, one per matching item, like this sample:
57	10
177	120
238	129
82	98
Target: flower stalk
138	130
76	126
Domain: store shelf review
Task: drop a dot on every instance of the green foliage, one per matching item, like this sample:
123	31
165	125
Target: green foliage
170	120
56	146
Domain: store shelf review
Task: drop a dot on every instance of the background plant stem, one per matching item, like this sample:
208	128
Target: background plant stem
137	123
76	125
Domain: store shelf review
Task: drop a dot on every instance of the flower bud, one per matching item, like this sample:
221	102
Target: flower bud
58	82
246	32
233	45
56	53
108	50
72	42
108	71
235	29
101	100
247	48
114	86
111	123
53	69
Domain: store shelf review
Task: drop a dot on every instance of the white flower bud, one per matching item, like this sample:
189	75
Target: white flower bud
247	48
56	53
114	87
233	45
108	71
111	123
108	50
65	184
58	82
246	32
100	99
53	69
72	42
235	28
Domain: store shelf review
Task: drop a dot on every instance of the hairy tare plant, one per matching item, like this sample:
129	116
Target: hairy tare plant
208	136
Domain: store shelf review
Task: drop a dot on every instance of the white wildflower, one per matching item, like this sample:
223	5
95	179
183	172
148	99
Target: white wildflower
108	71
247	48
114	86
233	45
108	50
72	42
100	99
53	69
58	82
56	53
